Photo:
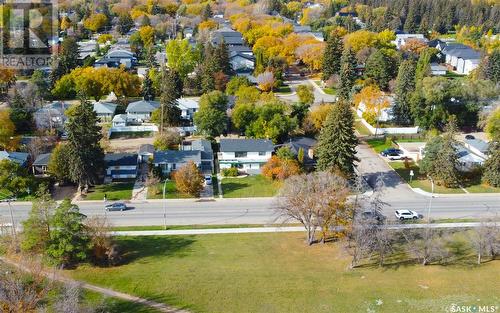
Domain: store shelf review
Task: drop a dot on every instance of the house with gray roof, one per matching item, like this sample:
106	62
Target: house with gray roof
121	165
188	107
306	144
40	165
248	155
171	160
207	154
477	146
20	158
142	110
228	36
52	115
117	57
105	110
462	58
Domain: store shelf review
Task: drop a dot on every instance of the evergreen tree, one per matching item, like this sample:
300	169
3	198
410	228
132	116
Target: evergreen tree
125	23
65	60
491	173
36	229
337	142
42	87
148	92
347	73
171	90
424	64
206	13
441	161
405	85
86	157
68	240
493	68
222	59
332	55
379	68
411	23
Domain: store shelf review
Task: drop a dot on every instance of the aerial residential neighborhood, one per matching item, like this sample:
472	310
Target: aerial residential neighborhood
250	156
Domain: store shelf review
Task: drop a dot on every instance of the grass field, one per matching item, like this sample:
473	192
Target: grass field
171	191
378	145
279	273
113	191
128	135
248	187
284	89
114	305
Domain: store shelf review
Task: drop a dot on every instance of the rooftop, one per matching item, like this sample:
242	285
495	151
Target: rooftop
120	159
142	106
176	156
246	145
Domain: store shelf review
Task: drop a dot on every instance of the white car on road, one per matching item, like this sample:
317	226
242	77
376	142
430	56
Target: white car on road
406	215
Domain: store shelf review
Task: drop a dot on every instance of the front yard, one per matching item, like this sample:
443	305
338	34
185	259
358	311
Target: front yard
279	273
113	191
171	192
421	181
249	187
379	145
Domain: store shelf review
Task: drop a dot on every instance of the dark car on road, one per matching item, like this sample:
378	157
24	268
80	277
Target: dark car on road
374	216
117	206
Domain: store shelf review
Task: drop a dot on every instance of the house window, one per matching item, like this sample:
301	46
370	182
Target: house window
240	154
173	166
262	153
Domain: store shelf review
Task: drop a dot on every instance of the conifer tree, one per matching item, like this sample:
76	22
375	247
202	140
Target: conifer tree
171	90
337	142
148	92
86	157
347	73
331	56
405	85
491	173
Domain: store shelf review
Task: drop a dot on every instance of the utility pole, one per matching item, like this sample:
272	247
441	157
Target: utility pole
164	205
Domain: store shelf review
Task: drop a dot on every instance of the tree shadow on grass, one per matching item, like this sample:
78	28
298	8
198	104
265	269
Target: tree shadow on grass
136	248
233	186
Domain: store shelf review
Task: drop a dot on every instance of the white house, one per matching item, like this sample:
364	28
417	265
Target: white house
462	58
402	39
248	155
142	110
468	160
105	110
385	114
242	63
121	165
477	146
188	106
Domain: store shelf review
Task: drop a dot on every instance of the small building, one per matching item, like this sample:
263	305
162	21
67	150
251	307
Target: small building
117	57
228	36
142	110
40	165
477	146
403	39
146	151
248	155
121	165
463	59
120	120
105	110
242	63
20	158
437	70
171	160
306	144
52	115
467	160
188	107
207	154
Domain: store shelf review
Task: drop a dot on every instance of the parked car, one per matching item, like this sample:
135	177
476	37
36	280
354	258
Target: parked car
469	137
407	215
208	179
117	206
386	152
374	216
395	156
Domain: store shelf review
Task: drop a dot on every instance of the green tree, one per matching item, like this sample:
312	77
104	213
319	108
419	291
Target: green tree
222	58
125	23
66	60
424	63
169	113
14	178
243	115
347	73
305	94
42	86
207	12
493	125
36	229
168	140
181	56
405	85
86	157
211	118
493	67
285	153
336	149
59	163
272	122
235	83
379	67
20	115
332	56
440	161
69	242
491	174
148	92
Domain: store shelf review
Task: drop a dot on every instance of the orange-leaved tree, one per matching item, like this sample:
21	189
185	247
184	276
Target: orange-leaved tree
189	180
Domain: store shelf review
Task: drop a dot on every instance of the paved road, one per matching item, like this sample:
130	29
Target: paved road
319	95
397	195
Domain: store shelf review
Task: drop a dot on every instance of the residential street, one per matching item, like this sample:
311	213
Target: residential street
319	95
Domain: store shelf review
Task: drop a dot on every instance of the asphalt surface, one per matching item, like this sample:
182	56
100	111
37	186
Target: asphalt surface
396	195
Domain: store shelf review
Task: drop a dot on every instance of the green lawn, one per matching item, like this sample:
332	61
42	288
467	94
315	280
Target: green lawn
283	89
279	273
114	305
421	181
171	192
330	91
378	145
113	191
248	187
128	135
181	227
361	128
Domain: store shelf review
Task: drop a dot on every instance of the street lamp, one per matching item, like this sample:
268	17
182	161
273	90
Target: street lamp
165	205
430	201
